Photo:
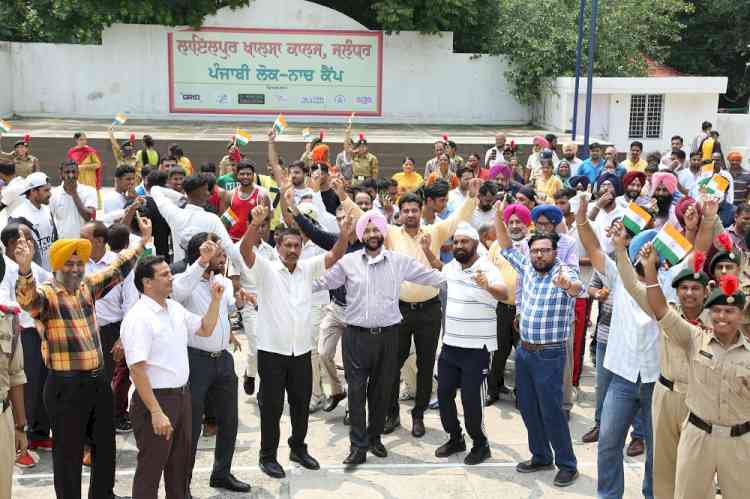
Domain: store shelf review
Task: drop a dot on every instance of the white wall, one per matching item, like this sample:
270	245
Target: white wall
423	80
6	82
735	132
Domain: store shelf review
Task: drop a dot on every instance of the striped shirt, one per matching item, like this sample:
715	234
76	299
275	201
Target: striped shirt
71	339
470	315
546	311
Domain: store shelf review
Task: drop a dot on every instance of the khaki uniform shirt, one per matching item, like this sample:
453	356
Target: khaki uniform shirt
365	166
719	377
25	166
673	359
11	368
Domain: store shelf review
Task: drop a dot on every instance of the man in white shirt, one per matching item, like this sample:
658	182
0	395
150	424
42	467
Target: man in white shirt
484	213
155	337
569	151
632	356
114	201
211	362
110	308
470	337
495	152
284	336
457	196
34	212
72	203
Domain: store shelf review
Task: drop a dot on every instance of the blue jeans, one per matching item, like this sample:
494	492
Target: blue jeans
603	377
539	383
621	404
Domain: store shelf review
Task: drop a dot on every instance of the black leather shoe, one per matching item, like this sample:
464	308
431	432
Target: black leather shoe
452	446
417	427
304	459
272	469
355	457
531	467
391	424
249	385
565	478
478	455
333	401
378	449
229	482
491	399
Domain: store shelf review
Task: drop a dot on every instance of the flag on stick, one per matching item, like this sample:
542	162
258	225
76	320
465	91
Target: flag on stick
242	137
280	124
635	218
5	126
306	135
120	119
671	244
229	217
716	185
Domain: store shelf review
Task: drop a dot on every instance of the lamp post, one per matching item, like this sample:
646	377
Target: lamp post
590	75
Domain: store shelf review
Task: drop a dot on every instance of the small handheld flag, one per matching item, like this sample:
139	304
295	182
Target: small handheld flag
120	119
671	244
242	137
635	218
280	124
306	135
716	185
229	217
5	126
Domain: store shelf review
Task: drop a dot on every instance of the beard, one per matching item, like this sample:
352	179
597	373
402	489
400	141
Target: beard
374	243
485	208
663	204
517	235
632	195
69	280
542	267
463	256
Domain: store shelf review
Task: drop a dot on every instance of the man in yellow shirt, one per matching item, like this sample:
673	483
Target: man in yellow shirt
634	162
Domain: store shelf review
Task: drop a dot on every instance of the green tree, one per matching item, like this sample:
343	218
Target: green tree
715	43
82	21
539	39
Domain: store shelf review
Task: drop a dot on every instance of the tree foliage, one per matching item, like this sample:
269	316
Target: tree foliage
82	21
539	39
715	43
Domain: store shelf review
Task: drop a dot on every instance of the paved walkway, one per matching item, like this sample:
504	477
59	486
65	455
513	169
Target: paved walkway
411	469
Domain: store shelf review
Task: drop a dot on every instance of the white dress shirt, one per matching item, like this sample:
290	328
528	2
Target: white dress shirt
159	337
633	345
65	213
42	227
113	206
604	221
192	290
310	250
111	307
186	222
246	280
284	304
8	288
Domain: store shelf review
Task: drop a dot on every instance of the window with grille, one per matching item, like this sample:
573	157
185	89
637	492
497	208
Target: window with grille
646	112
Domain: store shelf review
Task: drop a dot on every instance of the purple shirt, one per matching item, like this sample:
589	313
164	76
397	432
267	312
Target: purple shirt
373	285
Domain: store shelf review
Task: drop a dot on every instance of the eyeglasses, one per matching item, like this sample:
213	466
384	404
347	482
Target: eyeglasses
541	251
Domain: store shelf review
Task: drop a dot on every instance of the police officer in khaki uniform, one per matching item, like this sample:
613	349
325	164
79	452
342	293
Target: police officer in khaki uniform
364	164
715	437
26	164
12	379
668	406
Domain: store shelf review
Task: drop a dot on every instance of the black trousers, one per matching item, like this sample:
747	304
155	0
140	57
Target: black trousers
36	376
464	369
215	376
421	321
507	338
370	365
109	334
77	404
280	374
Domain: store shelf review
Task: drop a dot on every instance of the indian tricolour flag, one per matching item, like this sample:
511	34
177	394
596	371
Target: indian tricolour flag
280	124
229	217
242	137
120	119
306	135
635	218
671	244
716	185
4	126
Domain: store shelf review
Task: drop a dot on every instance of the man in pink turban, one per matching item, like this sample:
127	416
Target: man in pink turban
378	220
663	187
518	219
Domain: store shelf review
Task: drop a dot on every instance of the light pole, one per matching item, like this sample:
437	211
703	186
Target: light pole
590	76
579	44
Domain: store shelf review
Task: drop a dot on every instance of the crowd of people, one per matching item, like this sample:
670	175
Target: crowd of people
428	280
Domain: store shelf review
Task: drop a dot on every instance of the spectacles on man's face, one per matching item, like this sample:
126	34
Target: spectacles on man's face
541	251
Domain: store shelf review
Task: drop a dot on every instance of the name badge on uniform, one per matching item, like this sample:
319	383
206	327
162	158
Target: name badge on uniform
707	355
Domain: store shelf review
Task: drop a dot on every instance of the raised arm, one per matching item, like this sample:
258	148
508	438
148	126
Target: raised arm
273	158
339	249
247	244
426	242
627	272
184	283
208	323
116	150
588	238
710	225
501	230
28	296
444	230
650	260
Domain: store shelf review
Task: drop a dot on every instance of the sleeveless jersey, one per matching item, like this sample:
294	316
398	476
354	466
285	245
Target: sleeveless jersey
241	210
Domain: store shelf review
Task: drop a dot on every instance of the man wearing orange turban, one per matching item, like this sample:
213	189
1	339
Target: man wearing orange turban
740	176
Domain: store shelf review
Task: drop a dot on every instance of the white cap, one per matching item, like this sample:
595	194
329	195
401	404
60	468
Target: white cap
36	179
466	230
12	192
309	210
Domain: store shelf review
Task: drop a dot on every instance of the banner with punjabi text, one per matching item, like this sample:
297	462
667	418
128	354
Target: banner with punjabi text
256	71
